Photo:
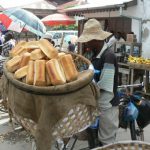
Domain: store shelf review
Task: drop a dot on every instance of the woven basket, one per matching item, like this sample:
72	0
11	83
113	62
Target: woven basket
84	78
126	145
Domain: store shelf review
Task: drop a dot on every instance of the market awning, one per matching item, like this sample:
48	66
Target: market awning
100	5
62	7
42	4
15	3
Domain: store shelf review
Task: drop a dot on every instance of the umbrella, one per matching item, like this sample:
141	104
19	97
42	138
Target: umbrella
5	20
24	19
57	19
2	27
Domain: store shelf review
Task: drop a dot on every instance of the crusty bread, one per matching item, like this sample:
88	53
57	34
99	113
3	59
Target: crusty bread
37	54
39	73
31	45
61	54
55	72
69	67
48	81
48	49
20	73
30	73
13	64
25	59
17	48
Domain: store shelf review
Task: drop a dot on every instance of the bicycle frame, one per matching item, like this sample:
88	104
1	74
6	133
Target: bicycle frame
125	98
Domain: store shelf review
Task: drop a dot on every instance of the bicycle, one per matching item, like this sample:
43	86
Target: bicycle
135	122
135	126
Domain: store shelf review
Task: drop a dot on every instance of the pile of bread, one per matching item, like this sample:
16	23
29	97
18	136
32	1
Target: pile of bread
39	63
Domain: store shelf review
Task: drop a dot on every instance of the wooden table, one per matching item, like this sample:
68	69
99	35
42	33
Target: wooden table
144	67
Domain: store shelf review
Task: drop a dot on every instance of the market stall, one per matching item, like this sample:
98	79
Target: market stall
144	67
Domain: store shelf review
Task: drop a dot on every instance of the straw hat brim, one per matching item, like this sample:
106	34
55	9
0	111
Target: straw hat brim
101	35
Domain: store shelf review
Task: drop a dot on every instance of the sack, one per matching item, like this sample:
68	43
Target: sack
144	113
130	112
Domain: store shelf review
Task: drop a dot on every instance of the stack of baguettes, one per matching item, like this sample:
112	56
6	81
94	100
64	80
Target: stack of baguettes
39	63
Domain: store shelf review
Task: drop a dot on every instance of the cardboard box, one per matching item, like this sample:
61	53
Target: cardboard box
131	38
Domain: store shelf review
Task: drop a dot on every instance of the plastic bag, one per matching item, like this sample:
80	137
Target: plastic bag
144	113
130	112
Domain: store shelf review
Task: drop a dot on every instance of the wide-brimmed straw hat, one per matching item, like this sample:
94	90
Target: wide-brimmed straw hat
93	31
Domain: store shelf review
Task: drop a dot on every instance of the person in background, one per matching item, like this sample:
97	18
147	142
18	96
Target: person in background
112	40
8	44
49	37
71	47
1	41
119	38
104	60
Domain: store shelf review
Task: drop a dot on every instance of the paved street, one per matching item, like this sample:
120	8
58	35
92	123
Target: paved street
15	138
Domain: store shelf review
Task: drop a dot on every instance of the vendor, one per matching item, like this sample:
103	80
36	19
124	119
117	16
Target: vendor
9	43
103	59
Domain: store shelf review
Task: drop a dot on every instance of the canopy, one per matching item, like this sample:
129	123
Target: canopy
57	19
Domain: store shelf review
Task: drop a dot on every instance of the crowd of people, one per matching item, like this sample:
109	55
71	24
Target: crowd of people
7	42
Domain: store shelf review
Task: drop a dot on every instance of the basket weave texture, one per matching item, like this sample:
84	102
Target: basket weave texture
126	145
46	106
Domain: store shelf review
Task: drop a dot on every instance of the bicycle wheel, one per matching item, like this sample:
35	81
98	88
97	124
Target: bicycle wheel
140	134
136	132
132	130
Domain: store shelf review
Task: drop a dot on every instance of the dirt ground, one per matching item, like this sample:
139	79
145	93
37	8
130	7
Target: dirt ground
14	137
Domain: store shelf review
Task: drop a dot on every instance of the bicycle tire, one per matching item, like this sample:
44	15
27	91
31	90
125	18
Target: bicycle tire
136	133
140	134
133	130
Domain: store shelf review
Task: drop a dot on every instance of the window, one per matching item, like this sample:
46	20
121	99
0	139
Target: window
57	36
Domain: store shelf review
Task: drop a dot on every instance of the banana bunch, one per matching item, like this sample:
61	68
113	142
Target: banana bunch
139	60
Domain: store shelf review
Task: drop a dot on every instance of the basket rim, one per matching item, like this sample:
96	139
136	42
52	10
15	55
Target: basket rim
54	90
123	142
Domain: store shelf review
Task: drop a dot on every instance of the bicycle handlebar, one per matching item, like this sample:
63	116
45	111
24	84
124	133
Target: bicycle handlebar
132	85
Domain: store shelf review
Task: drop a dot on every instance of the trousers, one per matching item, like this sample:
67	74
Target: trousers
109	119
108	125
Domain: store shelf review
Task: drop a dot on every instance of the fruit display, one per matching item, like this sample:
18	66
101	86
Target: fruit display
138	60
38	63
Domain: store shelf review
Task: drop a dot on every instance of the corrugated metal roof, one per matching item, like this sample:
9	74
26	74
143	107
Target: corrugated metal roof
91	4
29	4
40	5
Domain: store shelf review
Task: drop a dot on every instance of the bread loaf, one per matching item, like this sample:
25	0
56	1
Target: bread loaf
30	73
17	47
37	54
13	64
31	45
55	72
61	54
20	73
39	73
48	49
25	59
48	82
69	67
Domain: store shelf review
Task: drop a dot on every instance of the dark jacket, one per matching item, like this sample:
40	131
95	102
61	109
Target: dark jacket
108	56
